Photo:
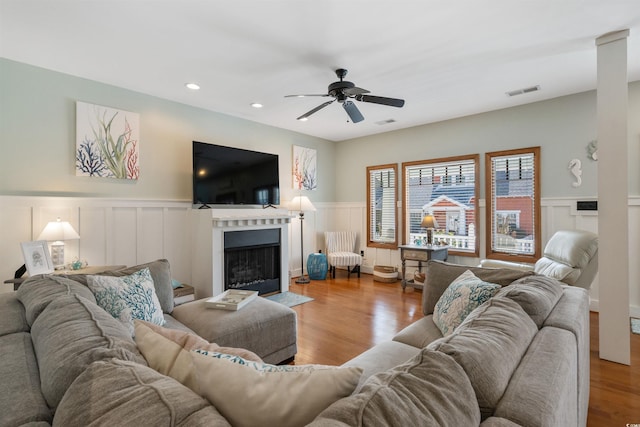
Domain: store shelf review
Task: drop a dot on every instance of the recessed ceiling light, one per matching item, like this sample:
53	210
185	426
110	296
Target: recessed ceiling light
192	86
304	119
256	105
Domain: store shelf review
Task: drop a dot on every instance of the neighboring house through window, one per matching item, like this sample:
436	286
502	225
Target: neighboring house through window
513	204
447	189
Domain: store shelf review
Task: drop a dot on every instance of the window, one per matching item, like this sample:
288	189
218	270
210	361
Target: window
447	189
513	204
382	187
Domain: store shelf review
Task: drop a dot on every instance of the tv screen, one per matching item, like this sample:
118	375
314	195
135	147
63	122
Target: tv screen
233	176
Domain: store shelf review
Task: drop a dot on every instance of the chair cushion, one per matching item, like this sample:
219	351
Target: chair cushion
574	248
341	259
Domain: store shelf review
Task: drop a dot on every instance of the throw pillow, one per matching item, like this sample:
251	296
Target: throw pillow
463	295
167	351
128	297
259	394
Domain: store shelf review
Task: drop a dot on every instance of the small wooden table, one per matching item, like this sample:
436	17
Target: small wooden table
420	254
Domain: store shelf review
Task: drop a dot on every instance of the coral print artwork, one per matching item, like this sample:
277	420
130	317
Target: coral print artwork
106	142
304	168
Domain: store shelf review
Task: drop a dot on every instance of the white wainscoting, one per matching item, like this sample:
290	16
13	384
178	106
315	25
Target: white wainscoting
130	232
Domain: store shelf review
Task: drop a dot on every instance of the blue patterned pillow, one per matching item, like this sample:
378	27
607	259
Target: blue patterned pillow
462	296
128	297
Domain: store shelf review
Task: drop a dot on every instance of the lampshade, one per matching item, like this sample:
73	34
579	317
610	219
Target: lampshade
58	231
429	221
302	204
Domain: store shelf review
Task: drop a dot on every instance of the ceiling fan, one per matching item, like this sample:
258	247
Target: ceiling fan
342	91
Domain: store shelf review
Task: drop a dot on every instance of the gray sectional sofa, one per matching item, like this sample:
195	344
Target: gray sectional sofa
522	358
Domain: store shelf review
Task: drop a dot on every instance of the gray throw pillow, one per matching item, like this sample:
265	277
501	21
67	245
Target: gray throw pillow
440	274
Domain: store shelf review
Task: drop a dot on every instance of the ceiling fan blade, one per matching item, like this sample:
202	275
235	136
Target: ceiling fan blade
393	102
315	110
352	91
352	111
302	95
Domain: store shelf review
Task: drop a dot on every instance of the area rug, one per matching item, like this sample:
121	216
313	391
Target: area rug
635	326
289	298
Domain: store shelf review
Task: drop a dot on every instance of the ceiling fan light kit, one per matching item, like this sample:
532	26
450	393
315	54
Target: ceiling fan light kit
343	91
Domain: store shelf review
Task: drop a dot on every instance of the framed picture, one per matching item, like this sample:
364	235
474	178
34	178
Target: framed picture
305	175
37	257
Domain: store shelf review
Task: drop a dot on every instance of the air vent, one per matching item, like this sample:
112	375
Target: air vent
386	122
524	90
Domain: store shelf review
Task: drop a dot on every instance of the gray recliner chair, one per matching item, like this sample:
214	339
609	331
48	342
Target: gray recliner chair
570	256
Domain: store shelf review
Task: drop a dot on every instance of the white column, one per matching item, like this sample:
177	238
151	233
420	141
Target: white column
613	221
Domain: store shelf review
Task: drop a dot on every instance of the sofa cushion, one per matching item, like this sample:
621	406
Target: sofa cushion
13	318
37	292
420	333
431	389
259	394
542	391
168	351
70	334
489	345
21	401
128	297
160	273
440	274
462	296
115	392
383	356
537	295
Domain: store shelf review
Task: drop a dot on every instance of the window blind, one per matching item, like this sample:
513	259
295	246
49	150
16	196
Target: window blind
382	209
513	204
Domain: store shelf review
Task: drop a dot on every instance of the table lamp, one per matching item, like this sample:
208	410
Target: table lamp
57	232
301	204
429	222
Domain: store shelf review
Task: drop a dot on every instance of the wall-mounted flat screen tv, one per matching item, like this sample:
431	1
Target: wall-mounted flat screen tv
233	176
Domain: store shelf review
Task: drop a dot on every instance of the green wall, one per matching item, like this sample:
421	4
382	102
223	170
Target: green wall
563	127
37	139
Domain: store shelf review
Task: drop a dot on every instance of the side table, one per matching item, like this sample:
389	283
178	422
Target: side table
93	269
420	254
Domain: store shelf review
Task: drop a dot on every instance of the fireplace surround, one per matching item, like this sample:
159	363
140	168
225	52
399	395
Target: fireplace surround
254	238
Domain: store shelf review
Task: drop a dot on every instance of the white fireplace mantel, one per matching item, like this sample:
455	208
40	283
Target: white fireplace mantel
208	228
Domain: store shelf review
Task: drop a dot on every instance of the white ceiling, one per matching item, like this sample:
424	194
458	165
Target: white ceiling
445	58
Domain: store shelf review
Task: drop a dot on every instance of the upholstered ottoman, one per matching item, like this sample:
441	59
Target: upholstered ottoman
267	328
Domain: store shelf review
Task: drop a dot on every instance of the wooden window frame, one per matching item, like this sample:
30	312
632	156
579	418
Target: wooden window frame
370	241
475	158
502	255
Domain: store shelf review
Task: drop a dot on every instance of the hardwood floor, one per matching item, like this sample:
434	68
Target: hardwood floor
348	316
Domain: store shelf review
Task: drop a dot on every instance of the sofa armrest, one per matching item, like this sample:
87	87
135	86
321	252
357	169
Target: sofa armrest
495	263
